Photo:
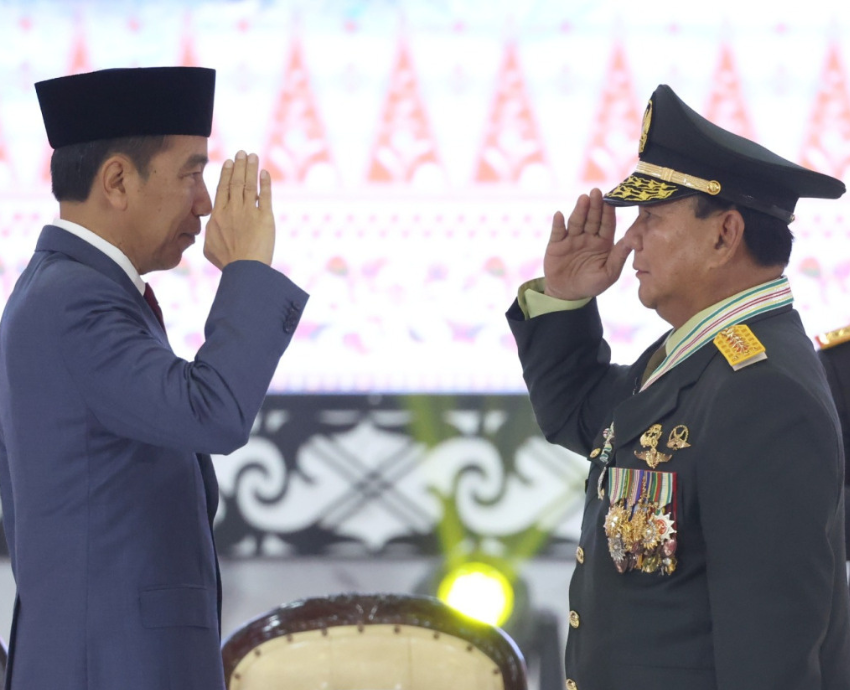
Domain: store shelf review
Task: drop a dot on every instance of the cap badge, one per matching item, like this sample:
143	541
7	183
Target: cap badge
740	346
647	120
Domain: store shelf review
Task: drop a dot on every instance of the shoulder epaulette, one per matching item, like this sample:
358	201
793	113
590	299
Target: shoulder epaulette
833	338
740	346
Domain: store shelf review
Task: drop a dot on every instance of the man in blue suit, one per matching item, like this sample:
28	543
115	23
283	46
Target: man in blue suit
107	486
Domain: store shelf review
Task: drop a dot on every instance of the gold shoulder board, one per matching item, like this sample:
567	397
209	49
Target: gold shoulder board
833	338
740	346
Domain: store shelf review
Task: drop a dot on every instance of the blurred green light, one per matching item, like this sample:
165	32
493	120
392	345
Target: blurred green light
479	591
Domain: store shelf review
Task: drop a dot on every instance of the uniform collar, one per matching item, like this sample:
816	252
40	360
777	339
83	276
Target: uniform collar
701	328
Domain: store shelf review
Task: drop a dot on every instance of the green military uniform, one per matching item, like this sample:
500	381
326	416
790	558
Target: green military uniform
711	554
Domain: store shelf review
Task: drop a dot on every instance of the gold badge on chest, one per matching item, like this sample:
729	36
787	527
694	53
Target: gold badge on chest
649	440
677	440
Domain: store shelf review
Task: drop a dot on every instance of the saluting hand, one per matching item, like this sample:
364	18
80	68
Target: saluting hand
582	260
241	225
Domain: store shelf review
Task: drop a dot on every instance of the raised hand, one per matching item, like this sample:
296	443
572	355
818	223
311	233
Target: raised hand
241	225
582	260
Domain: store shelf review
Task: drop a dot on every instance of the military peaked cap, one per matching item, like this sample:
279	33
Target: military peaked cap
682	154
117	103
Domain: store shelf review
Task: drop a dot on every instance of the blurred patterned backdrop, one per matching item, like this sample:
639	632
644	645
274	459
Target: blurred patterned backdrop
418	151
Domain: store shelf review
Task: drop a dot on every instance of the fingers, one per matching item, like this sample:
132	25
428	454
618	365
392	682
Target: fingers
559	230
578	218
251	170
592	216
237	180
265	201
222	192
608	223
594	213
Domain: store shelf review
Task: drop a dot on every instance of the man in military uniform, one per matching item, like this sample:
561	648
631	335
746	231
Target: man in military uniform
711	553
834	354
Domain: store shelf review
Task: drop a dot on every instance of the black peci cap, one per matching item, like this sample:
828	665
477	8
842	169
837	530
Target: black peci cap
116	103
682	154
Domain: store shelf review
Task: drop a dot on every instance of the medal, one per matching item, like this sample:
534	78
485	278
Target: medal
639	525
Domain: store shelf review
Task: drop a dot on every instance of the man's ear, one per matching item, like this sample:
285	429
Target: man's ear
114	179
729	237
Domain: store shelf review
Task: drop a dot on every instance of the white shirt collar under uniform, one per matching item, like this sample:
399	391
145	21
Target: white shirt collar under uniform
107	248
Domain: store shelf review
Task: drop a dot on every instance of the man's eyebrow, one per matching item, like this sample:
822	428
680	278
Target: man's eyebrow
196	160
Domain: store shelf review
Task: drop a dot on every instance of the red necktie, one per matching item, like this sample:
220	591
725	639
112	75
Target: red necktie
150	298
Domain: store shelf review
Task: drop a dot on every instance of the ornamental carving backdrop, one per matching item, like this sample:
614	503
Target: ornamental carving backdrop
357	475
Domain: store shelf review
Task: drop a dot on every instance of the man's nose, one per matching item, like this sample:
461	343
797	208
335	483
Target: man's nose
633	237
203	202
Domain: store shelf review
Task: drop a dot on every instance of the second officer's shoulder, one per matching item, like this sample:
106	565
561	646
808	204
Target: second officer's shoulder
839	338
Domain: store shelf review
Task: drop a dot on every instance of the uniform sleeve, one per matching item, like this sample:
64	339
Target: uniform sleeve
567	367
769	499
534	302
137	388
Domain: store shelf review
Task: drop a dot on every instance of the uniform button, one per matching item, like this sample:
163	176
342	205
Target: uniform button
571	684
580	555
595	452
574	619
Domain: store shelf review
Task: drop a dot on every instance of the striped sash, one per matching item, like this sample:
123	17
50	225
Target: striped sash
760	299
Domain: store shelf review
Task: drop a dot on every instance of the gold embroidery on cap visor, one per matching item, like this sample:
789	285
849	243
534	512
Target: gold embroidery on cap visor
639	189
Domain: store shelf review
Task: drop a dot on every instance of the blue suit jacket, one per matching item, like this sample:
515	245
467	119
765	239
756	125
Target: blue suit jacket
108	492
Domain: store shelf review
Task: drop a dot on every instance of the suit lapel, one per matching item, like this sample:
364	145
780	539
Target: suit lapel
636	414
210	484
55	239
211	493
